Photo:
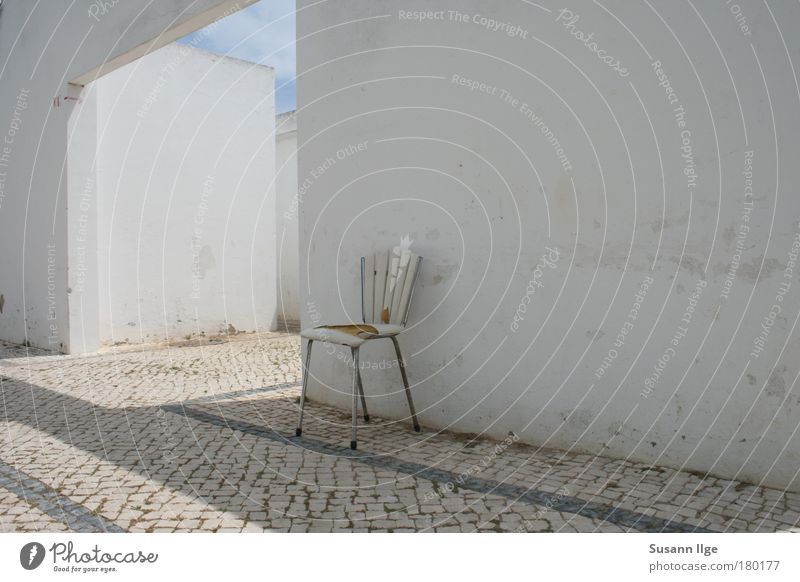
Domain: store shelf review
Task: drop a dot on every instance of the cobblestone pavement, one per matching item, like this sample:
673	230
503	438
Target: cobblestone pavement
200	438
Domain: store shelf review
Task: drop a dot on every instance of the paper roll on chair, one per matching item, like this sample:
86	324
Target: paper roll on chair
388	279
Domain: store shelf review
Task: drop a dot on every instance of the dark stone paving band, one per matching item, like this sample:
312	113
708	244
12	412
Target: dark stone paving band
211	398
574	505
49	501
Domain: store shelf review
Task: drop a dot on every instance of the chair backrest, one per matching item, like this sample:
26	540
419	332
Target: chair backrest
388	279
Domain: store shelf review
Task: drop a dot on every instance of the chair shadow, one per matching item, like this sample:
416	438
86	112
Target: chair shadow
224	469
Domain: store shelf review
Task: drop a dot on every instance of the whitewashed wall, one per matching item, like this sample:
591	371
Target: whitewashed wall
185	143
597	267
44	47
286	213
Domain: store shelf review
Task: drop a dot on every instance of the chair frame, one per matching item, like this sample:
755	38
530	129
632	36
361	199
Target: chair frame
358	386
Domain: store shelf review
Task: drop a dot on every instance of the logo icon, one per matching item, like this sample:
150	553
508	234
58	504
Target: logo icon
31	555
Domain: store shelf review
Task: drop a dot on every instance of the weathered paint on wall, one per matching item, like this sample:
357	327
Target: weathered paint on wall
597	266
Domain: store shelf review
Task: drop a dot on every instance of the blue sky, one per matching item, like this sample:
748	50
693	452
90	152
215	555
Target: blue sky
263	33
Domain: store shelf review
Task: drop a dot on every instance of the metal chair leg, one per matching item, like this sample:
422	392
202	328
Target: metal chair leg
405	383
353	437
299	430
363	398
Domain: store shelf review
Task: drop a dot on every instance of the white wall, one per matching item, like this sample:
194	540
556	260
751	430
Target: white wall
466	170
44	47
186	153
286	213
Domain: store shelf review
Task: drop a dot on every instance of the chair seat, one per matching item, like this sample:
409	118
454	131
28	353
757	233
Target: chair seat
335	336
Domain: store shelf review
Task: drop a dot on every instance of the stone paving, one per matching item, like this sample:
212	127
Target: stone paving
201	438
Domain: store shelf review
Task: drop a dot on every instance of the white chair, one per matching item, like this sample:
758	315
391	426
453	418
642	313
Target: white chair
387	286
